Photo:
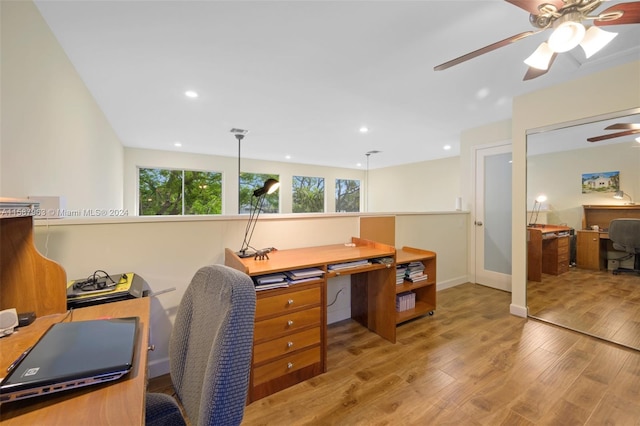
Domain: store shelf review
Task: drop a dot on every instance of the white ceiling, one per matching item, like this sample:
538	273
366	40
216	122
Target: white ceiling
304	76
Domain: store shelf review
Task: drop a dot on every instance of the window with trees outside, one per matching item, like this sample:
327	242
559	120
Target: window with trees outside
308	194
347	195
179	192
249	182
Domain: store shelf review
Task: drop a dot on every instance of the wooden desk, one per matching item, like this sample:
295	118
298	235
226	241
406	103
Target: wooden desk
117	403
592	246
290	343
547	251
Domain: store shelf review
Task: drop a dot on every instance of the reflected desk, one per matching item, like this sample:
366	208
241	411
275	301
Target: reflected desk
117	403
547	250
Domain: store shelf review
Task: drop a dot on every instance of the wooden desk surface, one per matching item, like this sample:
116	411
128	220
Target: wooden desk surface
286	260
550	229
117	403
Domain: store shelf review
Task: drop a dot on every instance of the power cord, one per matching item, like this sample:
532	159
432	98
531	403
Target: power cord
336	298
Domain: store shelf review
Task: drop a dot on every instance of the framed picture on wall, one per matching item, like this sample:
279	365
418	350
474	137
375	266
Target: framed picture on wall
600	182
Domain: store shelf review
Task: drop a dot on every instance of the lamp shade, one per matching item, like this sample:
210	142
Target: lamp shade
541	57
566	36
595	39
270	186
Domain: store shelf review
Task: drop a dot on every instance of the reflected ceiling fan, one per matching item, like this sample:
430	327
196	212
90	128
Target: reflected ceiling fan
627	130
566	18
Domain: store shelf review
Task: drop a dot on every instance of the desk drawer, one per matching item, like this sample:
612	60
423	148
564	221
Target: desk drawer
563	243
286	365
282	303
287	344
286	324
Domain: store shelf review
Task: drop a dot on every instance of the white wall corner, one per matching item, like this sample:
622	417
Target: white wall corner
519	311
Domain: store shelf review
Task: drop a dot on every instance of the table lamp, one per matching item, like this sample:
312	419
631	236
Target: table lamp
270	186
620	196
537	203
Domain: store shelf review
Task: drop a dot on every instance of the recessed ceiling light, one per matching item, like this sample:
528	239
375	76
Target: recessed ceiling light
638	139
288	157
359	165
364	129
447	147
177	144
191	94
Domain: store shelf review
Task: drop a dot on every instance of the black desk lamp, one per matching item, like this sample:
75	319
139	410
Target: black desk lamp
270	186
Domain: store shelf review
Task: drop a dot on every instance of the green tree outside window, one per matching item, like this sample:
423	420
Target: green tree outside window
347	195
308	194
179	192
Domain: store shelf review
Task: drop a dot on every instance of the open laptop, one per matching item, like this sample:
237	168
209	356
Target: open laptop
71	355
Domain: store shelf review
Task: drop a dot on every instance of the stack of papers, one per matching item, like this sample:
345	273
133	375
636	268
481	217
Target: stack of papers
303	275
266	282
346	265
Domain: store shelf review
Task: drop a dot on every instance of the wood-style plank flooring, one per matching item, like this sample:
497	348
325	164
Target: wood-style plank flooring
472	363
594	302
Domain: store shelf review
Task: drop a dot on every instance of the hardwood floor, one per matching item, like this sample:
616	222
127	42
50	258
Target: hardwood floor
594	302
472	363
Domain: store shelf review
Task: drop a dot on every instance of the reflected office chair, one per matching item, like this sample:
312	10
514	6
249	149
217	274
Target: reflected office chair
625	236
209	351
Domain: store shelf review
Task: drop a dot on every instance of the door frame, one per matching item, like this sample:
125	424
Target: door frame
473	252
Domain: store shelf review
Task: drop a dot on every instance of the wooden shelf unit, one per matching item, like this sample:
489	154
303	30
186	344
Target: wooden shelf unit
290	343
425	291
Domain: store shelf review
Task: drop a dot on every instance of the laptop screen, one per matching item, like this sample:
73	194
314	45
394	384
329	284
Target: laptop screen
73	354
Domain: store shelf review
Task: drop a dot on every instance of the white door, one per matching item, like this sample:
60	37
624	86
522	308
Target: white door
492	218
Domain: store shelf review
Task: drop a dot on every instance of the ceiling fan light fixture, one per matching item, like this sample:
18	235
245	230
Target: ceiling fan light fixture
541	58
595	39
566	35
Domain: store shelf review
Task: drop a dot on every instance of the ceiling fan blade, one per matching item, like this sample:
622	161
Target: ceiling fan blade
623	126
613	135
536	72
531	6
631	14
484	50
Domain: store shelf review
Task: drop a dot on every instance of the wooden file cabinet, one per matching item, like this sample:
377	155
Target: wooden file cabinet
555	255
588	254
288	338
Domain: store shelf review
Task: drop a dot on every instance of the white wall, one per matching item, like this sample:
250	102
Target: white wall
166	252
54	139
426	186
558	175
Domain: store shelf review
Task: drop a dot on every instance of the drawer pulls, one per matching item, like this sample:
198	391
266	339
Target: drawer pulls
290	323
289	365
289	344
290	302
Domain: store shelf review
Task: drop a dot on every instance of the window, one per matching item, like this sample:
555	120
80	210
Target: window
249	182
347	195
179	192
308	194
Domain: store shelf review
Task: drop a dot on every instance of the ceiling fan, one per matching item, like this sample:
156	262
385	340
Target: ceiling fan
627	129
565	18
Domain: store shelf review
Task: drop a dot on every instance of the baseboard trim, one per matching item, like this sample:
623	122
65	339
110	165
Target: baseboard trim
451	283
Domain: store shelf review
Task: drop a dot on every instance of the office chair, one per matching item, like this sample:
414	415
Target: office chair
210	351
625	236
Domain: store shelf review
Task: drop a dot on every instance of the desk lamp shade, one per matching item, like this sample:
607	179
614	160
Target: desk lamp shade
619	195
270	186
